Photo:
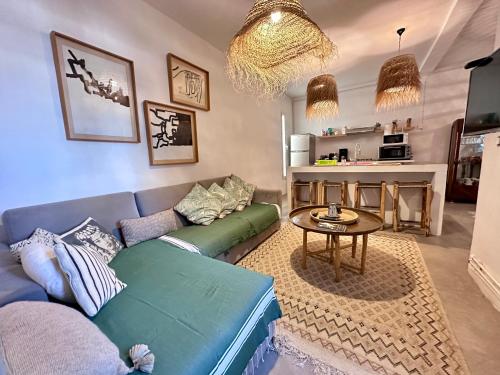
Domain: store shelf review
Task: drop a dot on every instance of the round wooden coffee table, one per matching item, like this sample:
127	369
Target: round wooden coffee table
367	223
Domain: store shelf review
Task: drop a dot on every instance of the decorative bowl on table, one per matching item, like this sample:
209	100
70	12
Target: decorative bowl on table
346	217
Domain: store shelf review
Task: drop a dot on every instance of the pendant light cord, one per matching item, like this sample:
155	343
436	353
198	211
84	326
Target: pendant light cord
400	32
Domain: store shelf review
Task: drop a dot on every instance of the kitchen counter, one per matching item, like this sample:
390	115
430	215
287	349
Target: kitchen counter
410	201
374	168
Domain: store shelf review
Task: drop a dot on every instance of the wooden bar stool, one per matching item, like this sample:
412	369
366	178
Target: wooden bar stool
425	218
323	191
297	186
380	209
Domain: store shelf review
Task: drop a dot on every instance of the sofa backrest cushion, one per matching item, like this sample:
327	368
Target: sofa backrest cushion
3	236
159	199
59	217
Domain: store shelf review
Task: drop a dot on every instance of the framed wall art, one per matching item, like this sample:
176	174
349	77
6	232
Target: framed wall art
97	92
171	133
188	84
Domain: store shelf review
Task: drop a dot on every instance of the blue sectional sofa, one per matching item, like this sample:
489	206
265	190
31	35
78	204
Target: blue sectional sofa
183	293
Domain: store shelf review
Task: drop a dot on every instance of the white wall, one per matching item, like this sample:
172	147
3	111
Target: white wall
484	263
444	100
485	250
37	163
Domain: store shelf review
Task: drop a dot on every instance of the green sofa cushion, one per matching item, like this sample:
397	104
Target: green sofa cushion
260	216
187	308
223	234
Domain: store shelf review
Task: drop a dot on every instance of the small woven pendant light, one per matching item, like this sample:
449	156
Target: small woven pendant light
322	97
277	44
398	81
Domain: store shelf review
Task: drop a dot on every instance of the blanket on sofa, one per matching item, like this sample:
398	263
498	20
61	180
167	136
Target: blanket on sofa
198	315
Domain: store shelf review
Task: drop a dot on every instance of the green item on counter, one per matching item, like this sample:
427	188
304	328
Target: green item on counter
326	162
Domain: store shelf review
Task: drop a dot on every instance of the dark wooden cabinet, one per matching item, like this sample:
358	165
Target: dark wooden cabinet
464	165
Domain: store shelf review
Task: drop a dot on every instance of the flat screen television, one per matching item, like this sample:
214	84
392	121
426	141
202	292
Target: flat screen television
483	104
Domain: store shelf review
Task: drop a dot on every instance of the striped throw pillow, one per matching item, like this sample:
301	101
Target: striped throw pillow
92	281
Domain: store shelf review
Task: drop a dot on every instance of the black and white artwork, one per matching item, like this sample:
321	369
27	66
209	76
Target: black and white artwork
171	134
107	89
188	83
97	92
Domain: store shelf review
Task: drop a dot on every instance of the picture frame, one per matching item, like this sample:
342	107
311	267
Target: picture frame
171	132
97	92
188	84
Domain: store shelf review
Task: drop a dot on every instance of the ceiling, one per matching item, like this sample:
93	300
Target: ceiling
476	39
363	30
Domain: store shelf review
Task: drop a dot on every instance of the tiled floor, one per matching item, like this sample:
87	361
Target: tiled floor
474	321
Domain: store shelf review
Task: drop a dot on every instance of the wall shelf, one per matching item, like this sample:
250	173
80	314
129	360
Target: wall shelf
373	131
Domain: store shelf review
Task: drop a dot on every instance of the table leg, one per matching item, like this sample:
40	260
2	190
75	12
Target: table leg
329	247
338	275
354	245
304	249
332	250
363	253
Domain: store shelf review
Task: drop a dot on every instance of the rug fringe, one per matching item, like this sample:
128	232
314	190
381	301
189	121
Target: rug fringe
284	348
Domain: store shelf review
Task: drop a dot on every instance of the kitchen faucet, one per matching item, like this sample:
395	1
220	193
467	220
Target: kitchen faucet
357	152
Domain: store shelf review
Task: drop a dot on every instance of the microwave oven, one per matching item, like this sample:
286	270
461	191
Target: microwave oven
395	139
395	152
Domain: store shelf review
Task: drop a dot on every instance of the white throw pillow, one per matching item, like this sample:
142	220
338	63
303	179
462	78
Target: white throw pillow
92	281
40	263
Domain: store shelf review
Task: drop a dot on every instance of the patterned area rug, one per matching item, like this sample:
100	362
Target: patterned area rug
388	321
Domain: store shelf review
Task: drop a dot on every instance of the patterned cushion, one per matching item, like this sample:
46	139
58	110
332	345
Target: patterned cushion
50	338
92	235
92	281
199	206
237	192
229	204
39	236
149	227
250	188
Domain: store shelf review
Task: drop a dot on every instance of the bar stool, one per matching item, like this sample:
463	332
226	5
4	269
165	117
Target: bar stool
380	209
427	195
323	191
296	193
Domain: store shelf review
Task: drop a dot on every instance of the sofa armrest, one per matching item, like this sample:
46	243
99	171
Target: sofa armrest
268	196
15	285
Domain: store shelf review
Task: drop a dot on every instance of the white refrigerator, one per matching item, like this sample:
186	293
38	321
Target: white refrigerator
302	150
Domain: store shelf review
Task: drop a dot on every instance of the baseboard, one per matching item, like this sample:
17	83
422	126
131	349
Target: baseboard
488	285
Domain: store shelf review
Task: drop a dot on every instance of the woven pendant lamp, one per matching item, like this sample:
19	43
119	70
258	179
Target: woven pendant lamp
322	97
398	81
277	44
